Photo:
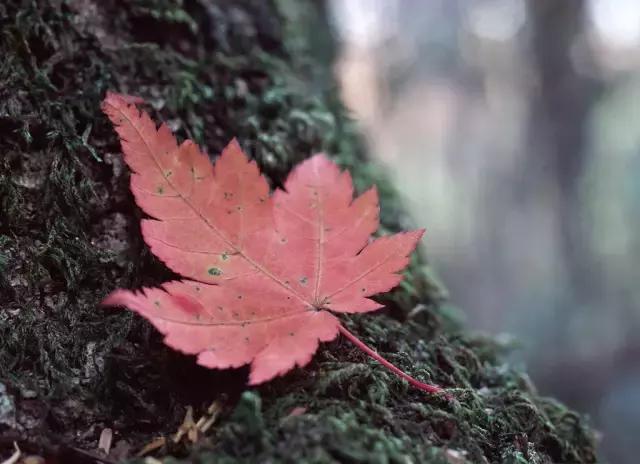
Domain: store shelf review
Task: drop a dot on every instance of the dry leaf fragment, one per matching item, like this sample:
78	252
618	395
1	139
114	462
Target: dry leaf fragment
297	411
13	459
153	445
207	420
104	443
151	460
188	428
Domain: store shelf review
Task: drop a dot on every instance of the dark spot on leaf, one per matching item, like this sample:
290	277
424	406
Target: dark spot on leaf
239	297
303	280
291	334
214	271
224	256
160	189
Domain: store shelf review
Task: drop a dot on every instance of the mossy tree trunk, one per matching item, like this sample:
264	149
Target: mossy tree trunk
69	234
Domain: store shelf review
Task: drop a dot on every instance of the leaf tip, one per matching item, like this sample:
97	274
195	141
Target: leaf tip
414	237
256	377
116	298
234	150
111	96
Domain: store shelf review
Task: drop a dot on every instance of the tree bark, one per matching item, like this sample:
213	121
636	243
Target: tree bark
69	234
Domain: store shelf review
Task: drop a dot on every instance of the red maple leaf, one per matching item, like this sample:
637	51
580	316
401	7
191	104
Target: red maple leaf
265	272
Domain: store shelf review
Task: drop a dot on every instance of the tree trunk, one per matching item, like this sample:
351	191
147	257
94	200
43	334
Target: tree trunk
69	370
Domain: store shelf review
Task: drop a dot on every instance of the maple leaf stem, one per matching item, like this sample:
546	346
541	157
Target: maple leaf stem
374	354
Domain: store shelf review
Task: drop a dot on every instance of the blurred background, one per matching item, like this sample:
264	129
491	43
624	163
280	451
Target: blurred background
512	128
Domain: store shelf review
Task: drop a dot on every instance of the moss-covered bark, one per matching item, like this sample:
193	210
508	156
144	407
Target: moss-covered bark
69	234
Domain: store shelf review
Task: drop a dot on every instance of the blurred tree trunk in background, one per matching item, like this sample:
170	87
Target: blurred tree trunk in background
560	113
